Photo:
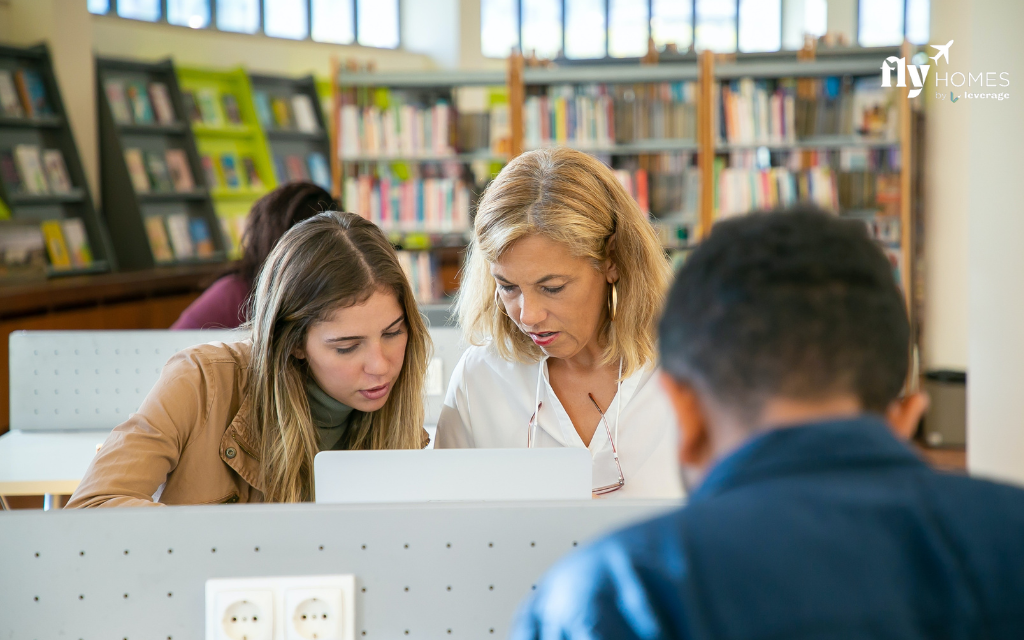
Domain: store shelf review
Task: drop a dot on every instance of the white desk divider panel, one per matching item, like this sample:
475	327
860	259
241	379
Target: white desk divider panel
451	570
68	390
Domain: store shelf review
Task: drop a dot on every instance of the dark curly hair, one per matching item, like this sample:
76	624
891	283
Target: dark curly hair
795	304
272	215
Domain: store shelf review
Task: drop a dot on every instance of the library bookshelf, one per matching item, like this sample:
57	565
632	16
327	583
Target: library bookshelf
153	185
674	134
48	224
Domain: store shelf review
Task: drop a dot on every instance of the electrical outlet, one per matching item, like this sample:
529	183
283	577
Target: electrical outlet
281	608
243	615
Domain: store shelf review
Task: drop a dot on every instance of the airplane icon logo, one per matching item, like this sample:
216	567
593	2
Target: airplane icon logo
943	51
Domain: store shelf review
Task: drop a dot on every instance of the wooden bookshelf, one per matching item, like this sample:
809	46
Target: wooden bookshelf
22	210
128	208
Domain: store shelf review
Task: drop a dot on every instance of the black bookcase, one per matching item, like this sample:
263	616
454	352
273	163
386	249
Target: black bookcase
290	141
48	132
128	209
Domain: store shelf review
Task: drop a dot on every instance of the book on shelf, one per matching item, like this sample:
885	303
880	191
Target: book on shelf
422	268
229	170
22	251
56	248
160	97
296	168
181	238
786	110
159	244
319	171
282	113
159	176
138	98
305	115
209	108
9	173
264	114
199	232
137	170
33	93
179	170
30	168
77	242
233	230
10	103
56	171
118	101
635	184
231	110
252	176
210	171
280	168
436	203
192	110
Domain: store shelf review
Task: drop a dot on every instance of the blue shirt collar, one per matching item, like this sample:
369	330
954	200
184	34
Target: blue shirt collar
865	440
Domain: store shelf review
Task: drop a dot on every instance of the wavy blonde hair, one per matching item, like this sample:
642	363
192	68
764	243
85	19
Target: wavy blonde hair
574	199
329	261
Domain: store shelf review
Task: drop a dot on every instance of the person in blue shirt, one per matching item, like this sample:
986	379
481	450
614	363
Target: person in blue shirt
784	345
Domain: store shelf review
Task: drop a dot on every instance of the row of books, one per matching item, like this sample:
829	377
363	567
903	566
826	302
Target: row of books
600	115
423	269
209	107
23	94
229	170
293	168
64	243
29	169
136	102
433	204
399	130
161	172
282	113
786	110
178	237
744	190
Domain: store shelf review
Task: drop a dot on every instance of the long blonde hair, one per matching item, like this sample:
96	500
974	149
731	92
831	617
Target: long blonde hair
329	261
572	198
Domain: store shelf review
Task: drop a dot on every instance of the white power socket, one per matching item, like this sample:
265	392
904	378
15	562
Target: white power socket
281	608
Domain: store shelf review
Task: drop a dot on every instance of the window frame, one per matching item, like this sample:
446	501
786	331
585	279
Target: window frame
906	9
260	31
650	11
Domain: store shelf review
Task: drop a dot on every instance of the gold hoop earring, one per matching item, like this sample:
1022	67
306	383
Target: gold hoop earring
613	301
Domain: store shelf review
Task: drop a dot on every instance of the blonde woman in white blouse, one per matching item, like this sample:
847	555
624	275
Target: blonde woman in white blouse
563	284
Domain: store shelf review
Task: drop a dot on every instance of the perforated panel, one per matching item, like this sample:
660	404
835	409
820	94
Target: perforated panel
88	380
422	571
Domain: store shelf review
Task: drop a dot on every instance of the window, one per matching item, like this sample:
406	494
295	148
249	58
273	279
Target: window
628	22
672	23
542	27
760	25
334	21
884	23
377	23
189	13
148	10
372	23
286	19
499	27
239	16
716	25
585	29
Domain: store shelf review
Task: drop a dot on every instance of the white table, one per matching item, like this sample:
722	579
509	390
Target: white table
50	463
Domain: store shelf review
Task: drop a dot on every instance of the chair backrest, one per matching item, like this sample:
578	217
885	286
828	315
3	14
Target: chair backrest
92	380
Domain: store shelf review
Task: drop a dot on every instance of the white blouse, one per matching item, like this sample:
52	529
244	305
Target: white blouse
490	401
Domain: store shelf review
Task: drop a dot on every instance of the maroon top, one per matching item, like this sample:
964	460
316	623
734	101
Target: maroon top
220	306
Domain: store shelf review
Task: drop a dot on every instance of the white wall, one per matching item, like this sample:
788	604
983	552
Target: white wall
995	431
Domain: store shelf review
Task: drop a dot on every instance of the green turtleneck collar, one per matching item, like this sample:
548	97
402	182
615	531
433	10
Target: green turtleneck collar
329	415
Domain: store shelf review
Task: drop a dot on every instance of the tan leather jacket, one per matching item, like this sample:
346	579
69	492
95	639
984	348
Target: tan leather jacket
191	435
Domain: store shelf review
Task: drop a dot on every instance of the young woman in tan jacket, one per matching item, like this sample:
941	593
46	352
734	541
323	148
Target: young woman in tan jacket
335	360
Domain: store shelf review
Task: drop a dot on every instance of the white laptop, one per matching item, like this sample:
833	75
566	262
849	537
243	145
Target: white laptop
443	475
